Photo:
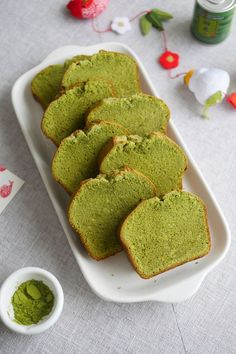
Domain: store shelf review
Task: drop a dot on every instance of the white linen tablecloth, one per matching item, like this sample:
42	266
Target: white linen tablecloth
30	231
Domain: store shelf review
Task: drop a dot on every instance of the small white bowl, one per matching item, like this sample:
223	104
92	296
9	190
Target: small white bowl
9	287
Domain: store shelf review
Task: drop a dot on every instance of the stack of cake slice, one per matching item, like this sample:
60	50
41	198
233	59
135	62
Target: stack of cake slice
124	174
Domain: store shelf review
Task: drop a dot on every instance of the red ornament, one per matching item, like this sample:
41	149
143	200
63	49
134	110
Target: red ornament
87	8
232	99
2	168
169	60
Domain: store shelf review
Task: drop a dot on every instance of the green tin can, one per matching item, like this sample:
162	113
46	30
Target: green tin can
212	20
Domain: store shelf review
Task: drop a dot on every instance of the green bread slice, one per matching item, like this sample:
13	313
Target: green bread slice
46	84
162	234
75	59
121	69
140	114
99	206
66	114
155	155
76	157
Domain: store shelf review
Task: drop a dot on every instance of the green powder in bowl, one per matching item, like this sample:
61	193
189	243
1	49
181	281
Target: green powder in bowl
32	301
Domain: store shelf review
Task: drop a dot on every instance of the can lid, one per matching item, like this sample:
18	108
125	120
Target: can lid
216	1
217	5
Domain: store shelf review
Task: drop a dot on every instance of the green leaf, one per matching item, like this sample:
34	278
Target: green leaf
145	25
155	20
163	16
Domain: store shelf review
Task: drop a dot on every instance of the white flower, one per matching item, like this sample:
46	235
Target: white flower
121	25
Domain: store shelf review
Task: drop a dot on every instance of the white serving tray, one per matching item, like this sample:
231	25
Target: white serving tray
114	279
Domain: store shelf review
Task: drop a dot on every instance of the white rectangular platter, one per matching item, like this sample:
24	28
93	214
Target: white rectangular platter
114	279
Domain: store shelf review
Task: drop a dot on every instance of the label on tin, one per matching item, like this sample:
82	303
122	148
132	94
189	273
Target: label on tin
211	27
207	27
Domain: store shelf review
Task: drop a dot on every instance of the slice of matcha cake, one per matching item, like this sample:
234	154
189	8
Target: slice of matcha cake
140	114
162	234
47	83
66	114
99	206
120	68
155	155
76	157
75	59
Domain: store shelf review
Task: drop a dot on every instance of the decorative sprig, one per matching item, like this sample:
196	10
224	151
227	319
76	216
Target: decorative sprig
154	18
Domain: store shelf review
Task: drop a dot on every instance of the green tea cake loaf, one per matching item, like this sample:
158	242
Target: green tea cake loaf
76	156
46	84
162	234
141	114
67	113
99	206
121	69
155	155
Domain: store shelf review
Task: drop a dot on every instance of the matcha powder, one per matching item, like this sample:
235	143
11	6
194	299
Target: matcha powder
31	302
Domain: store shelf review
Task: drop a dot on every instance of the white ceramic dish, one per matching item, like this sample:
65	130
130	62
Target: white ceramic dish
9	287
114	279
